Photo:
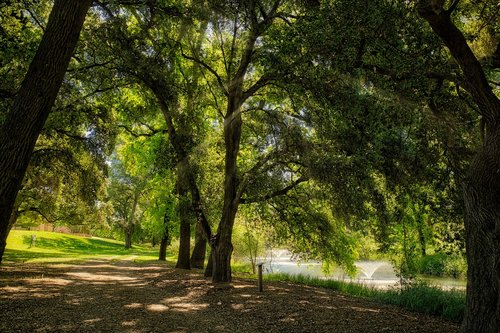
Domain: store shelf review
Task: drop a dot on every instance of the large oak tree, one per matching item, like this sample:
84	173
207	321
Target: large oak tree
482	184
34	100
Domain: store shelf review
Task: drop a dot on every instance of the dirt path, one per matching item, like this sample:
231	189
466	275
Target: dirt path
104	296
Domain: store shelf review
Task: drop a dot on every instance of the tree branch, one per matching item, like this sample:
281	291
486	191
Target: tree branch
261	82
153	131
210	69
475	81
274	194
36	210
453	7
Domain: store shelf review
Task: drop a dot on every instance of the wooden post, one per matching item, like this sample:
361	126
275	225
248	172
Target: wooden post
260	276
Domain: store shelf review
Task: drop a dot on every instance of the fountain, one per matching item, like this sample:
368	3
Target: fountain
368	268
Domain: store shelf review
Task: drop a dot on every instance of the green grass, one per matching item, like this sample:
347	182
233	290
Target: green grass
419	297
57	247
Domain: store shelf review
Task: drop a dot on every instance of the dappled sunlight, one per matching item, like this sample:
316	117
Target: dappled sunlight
355	308
99	276
110	297
129	323
188	307
133	306
157	307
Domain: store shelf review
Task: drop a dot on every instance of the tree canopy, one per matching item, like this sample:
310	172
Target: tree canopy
323	123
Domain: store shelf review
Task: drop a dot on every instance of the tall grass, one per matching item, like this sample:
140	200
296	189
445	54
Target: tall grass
418	296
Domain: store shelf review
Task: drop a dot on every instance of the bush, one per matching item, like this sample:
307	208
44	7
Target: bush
440	264
432	264
456	266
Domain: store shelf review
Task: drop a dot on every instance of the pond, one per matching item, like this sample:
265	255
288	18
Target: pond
372	273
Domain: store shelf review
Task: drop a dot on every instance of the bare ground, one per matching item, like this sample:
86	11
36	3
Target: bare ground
106	296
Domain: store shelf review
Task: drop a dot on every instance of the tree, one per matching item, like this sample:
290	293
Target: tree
482	185
34	100
126	193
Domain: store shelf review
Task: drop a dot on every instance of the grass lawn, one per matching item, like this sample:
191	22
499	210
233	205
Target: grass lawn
57	247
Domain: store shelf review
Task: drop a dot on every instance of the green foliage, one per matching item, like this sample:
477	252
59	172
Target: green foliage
350	115
424	298
440	264
249	238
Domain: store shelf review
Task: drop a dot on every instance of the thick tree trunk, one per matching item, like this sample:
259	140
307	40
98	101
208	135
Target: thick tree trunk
161	91
165	239
200	249
482	186
482	225
223	248
35	100
183	260
221	256
5	233
128	239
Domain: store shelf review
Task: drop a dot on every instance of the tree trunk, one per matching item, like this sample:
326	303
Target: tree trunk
5	234
482	227
482	186
200	249
128	238
165	239
221	256
183	260
222	247
421	235
160	90
34	101
210	265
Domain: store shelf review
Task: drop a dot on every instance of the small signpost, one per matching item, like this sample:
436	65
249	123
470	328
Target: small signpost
259	265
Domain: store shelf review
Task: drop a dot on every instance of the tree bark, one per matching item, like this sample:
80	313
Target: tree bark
482	230
131	221
165	239
210	265
160	90
34	101
223	248
482	185
199	250
128	238
183	260
5	234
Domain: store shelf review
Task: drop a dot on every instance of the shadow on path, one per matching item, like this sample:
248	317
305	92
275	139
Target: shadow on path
106	296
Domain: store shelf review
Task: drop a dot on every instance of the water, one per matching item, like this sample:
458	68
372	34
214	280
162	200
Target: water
376	273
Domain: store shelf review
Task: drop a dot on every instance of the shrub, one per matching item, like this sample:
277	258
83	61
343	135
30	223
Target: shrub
456	266
440	264
433	264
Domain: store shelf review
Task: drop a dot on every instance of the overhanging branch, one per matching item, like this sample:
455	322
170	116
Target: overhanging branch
274	194
210	69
